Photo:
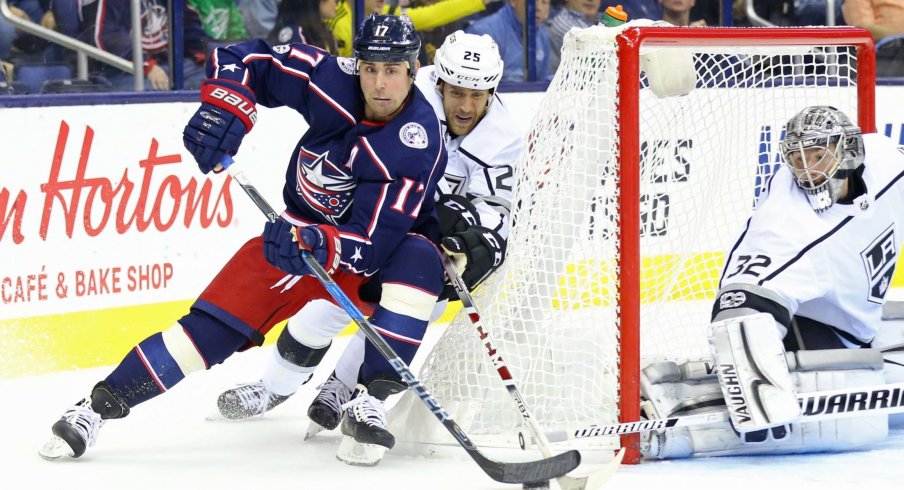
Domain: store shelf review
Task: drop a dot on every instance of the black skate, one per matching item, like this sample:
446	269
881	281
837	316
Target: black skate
366	430
74	432
325	411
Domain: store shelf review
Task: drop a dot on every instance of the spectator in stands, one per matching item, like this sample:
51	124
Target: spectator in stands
882	18
259	16
221	19
678	12
302	21
506	27
424	17
36	11
111	34
574	13
640	9
436	19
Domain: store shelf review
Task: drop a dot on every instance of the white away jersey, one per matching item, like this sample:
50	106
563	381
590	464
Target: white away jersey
482	163
834	267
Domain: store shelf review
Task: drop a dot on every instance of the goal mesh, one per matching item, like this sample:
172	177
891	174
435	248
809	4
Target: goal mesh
557	307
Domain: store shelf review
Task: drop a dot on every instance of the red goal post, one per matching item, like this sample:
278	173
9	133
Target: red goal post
629	43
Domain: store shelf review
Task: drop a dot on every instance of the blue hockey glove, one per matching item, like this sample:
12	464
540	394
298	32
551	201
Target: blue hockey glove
283	243
216	129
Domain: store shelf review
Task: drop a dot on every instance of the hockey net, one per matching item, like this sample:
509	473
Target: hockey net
625	206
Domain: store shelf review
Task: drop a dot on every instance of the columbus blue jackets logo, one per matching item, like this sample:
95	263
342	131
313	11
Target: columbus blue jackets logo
326	187
413	135
346	64
879	259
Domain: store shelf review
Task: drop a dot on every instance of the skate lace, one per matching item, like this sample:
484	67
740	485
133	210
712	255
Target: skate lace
86	421
334	394
368	409
253	397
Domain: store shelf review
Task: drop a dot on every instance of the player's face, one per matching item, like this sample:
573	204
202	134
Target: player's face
813	165
464	107
385	87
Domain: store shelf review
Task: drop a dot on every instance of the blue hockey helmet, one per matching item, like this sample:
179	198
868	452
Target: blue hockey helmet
388	38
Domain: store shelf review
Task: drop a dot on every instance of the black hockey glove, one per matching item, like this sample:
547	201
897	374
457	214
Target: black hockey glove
456	214
484	251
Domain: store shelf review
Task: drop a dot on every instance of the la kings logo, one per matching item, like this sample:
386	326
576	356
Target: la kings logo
879	259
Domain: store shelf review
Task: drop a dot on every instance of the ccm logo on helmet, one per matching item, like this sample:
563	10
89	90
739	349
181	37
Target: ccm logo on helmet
245	107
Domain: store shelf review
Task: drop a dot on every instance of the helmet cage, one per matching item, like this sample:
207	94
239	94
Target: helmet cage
822	128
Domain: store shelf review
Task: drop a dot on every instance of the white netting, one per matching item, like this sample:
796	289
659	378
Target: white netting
553	308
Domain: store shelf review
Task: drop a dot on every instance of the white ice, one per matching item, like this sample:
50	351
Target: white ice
167	443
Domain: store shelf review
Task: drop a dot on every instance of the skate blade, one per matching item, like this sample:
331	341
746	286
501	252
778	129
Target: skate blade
355	453
55	448
313	429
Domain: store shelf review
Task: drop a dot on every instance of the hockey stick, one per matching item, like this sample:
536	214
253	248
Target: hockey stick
526	472
817	406
566	482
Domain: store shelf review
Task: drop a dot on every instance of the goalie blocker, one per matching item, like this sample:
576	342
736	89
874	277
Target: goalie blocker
670	389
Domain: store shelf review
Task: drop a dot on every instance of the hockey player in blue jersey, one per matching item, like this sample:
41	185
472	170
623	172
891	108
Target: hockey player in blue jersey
359	197
484	145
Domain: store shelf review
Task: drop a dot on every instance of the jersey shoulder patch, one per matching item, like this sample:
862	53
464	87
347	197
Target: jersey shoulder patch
347	65
281	48
413	135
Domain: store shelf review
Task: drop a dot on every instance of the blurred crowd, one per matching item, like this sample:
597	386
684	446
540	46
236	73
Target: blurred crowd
31	64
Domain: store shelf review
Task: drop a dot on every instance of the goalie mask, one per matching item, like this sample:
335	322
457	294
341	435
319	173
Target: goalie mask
822	147
469	61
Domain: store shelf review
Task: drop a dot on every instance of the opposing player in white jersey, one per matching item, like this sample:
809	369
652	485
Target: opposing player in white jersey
800	300
483	145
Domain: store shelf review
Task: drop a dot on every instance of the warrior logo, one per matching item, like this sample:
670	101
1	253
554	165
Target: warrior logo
879	259
325	186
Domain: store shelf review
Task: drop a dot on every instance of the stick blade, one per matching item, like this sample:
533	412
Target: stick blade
531	471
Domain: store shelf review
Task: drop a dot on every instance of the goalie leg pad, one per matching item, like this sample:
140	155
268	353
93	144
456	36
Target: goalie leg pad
810	371
753	373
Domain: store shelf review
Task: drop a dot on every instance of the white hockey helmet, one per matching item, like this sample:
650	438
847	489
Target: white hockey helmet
469	61
821	127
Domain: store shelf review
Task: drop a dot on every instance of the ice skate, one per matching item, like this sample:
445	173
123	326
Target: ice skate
248	400
325	411
366	435
74	432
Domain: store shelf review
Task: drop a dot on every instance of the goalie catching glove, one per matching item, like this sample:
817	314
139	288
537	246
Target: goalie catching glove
478	251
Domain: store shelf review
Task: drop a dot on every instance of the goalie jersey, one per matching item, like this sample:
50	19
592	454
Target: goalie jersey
482	163
833	267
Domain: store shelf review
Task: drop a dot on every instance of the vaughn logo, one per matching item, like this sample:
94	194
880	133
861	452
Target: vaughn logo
735	399
879	259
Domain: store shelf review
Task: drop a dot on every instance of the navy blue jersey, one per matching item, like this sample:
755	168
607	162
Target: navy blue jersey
374	181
